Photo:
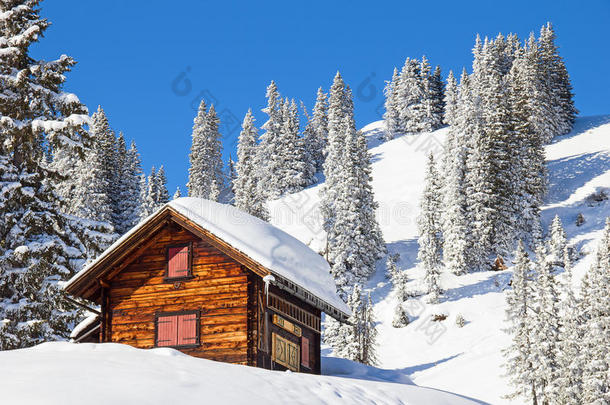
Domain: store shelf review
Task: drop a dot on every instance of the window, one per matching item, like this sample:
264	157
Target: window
285	352
305	351
178	262
177	329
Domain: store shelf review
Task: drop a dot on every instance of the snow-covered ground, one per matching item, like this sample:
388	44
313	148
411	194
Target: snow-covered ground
466	360
67	373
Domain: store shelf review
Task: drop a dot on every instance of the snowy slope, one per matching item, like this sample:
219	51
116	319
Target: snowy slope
464	360
66	374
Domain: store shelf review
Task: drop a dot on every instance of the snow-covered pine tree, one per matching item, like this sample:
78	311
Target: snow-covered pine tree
520	316
596	329
92	196
335	148
451	100
39	248
145	209
130	203
369	334
454	215
316	137
392	107
269	148
177	193
248	195
430	239
294	171
354	241
528	108
410	94
152	193
231	176
206	176
545	339
558	80
400	319
433	93
557	241
357	339
162	193
568	383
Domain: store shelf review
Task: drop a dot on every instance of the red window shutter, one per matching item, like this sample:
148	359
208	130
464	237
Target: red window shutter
178	263
305	351
187	329
166	330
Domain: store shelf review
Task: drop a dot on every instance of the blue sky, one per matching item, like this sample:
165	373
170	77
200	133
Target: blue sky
148	63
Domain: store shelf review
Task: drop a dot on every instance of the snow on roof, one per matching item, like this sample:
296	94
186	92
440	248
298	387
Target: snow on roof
267	245
264	243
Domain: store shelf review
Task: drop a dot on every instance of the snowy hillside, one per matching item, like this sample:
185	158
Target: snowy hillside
464	360
66	373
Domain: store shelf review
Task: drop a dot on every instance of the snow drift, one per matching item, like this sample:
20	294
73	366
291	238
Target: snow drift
67	373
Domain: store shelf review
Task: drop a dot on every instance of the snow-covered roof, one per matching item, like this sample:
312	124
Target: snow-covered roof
272	248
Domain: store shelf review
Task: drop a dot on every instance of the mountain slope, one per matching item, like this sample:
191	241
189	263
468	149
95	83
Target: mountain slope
440	354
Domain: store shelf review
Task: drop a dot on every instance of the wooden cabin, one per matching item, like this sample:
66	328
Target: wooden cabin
213	282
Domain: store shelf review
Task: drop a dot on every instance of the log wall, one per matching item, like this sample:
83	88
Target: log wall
218	289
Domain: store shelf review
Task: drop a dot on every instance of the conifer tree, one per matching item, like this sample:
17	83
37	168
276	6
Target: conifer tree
519	355
430	239
546	330
596	329
206	177
269	149
248	195
354	241
556	75
130	204
177	194
161	186
451	100
568	383
337	112
392	107
39	248
558	241
401	319
316	137
411	93
293	170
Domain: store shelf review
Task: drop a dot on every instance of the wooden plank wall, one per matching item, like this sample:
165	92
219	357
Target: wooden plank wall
264	358
219	290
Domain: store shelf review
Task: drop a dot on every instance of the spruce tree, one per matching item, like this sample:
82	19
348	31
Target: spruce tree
177	193
337	112
557	241
39	248
248	195
451	100
392	107
354	242
206	177
411	94
519	355
130	204
545	338
269	149
596	329
400	319
430	239
568	383
556	76
316	137
162	193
